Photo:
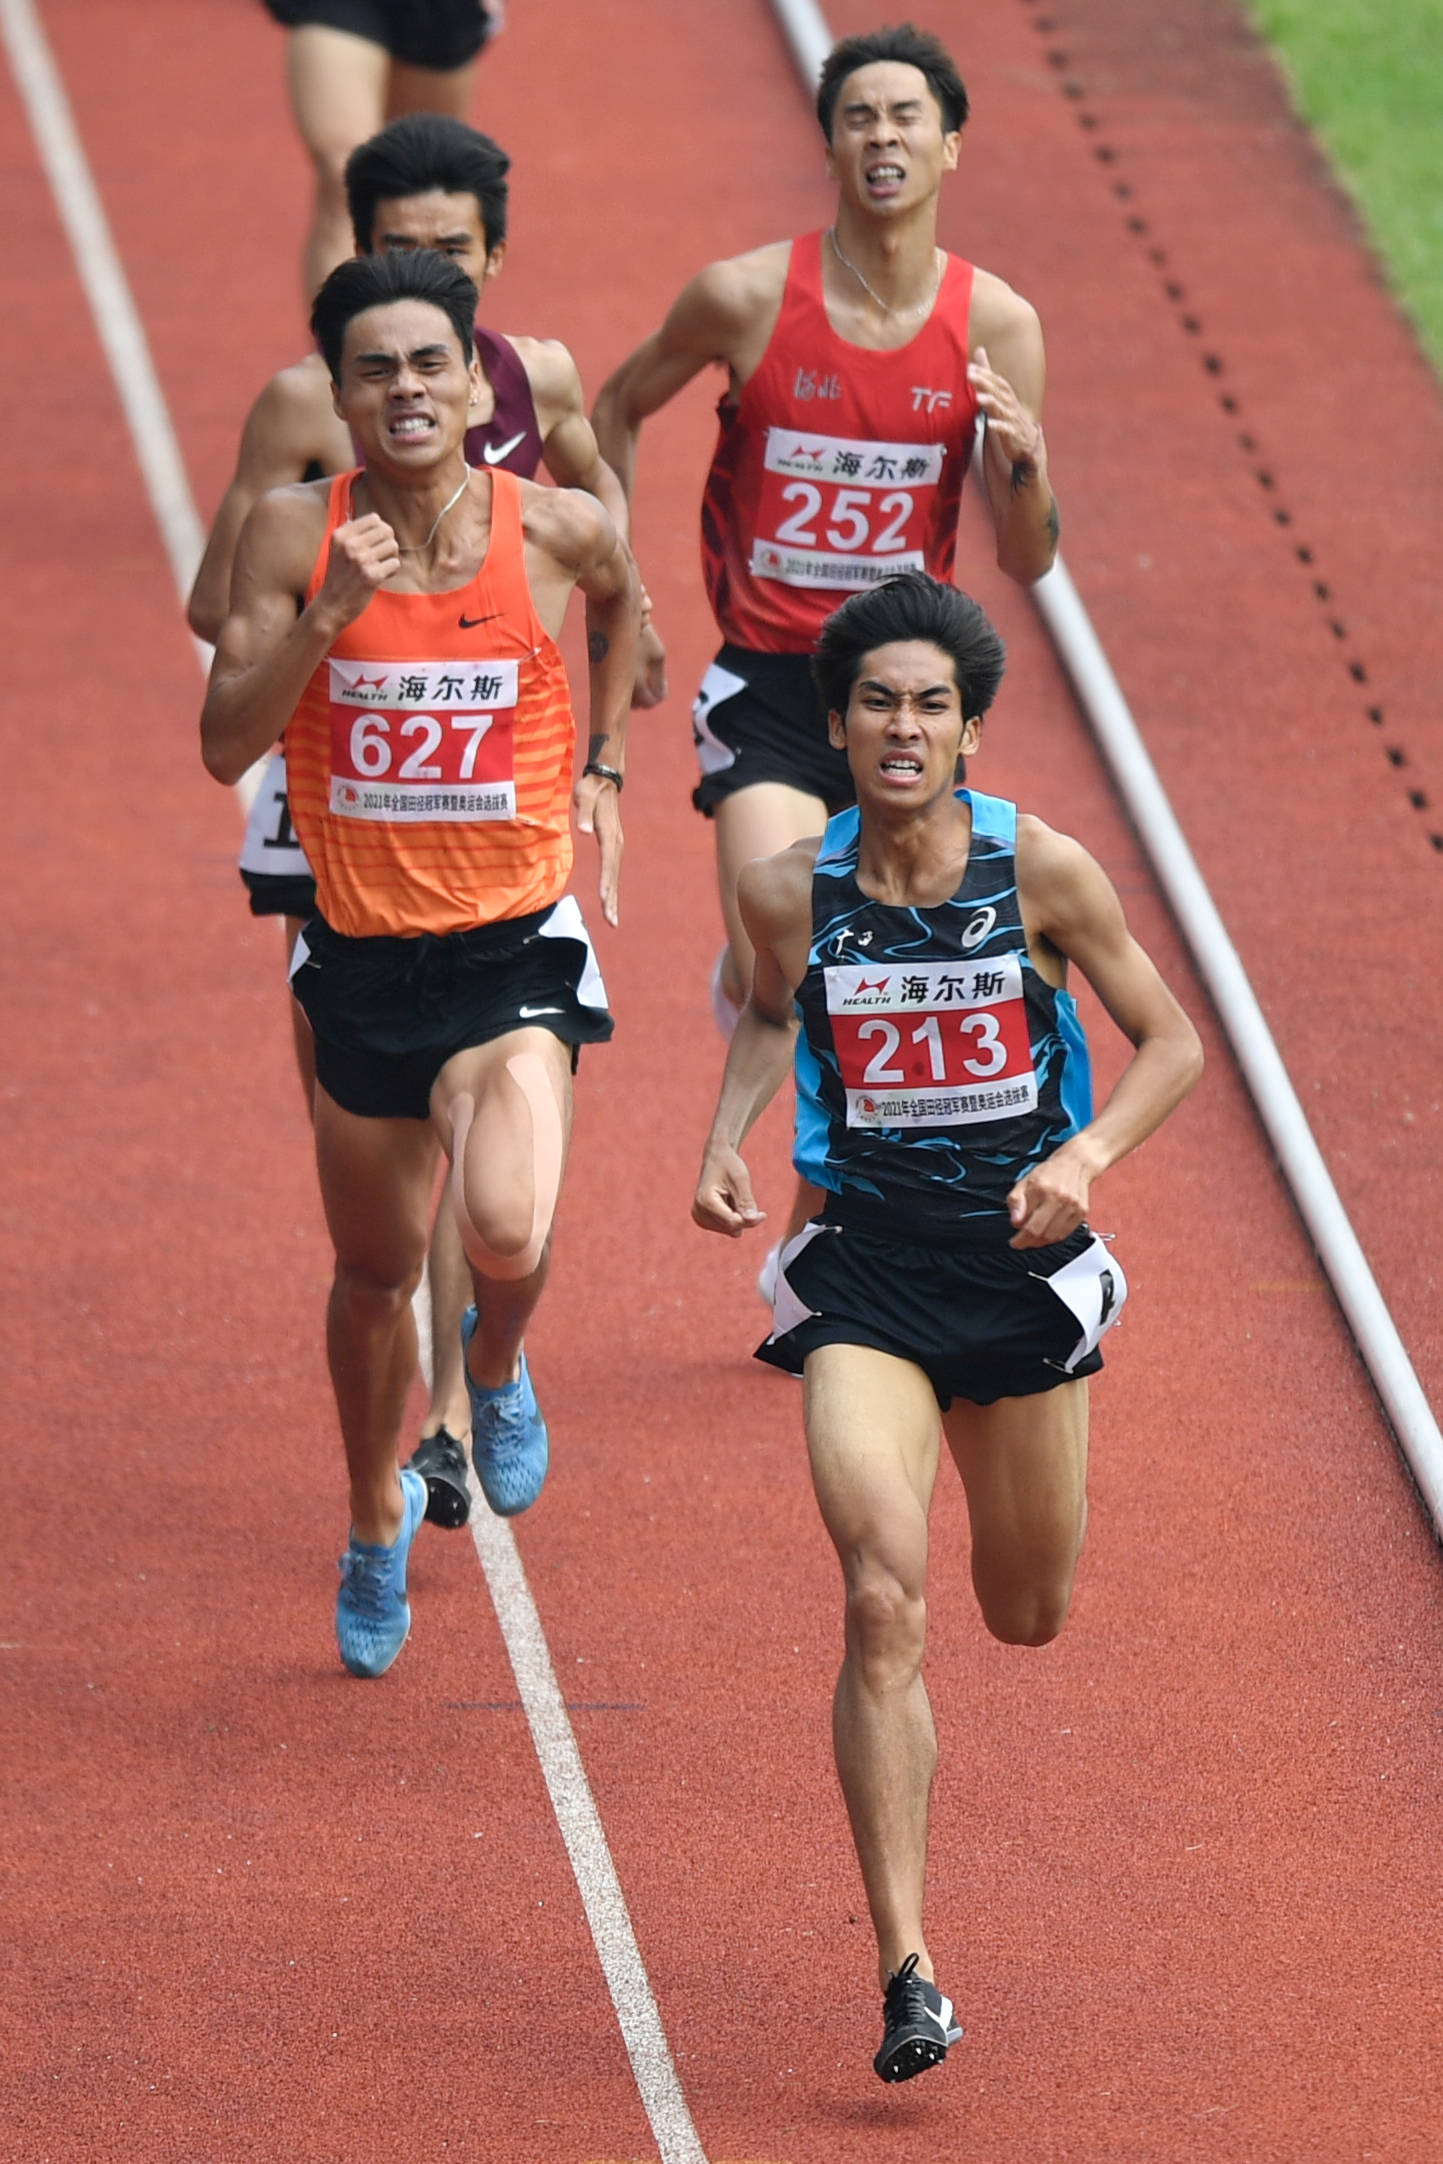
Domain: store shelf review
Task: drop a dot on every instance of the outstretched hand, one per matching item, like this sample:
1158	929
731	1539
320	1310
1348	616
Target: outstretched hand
598	811
724	1201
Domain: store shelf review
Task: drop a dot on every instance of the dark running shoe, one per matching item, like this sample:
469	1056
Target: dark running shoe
918	2025
441	1462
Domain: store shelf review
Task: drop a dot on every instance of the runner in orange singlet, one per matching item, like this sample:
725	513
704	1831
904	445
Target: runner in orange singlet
425	181
399	623
859	362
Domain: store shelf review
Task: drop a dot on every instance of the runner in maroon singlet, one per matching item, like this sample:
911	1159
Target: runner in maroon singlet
860	361
423	182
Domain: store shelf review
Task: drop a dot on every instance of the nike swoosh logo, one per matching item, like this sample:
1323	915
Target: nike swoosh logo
493	453
529	1014
469	623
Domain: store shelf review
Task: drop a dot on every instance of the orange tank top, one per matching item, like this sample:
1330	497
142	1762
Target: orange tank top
429	760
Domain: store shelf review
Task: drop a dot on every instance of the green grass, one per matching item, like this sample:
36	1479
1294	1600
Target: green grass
1367	76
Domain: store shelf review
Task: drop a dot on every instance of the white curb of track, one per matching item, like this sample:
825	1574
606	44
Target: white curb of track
157	451
1257	1055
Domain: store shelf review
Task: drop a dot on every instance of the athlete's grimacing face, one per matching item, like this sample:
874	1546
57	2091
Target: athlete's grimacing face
904	729
406	387
889	146
451	224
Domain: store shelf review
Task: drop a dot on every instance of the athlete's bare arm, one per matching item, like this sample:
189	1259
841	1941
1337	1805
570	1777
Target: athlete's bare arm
775	896
266	652
1008	375
568	446
1071	911
291	426
725	315
571	540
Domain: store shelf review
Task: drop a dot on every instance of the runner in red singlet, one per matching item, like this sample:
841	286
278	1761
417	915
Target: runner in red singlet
400	624
424	181
859	363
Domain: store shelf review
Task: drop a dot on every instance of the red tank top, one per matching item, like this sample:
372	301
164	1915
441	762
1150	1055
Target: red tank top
837	466
429	759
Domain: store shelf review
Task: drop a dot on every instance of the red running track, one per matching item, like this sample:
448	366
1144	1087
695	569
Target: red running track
1185	1880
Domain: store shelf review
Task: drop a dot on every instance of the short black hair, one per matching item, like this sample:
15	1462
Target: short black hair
910	606
417	153
371	281
897	41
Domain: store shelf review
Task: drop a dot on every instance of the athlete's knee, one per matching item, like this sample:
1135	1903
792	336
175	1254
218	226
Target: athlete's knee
886	1623
376	1292
1025	1615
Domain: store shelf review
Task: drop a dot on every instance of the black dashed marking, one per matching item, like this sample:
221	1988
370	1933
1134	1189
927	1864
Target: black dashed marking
1074	89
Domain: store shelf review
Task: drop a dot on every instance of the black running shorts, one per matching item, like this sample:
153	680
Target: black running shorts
387	1014
980	1319
438	34
759	717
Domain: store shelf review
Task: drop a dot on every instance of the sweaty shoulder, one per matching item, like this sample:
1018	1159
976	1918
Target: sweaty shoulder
732	301
283	534
998	312
1058	883
578	531
550	370
293	424
776	893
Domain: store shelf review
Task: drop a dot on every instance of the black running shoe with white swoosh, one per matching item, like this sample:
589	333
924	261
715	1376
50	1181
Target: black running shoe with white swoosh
918	2025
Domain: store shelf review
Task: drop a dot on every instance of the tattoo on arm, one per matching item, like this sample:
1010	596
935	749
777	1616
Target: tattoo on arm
1054	522
598	645
595	746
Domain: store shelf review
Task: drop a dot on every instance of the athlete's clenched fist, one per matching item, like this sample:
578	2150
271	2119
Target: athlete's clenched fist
364	554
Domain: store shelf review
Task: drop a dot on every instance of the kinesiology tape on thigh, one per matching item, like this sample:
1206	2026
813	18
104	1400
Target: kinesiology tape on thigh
531	1076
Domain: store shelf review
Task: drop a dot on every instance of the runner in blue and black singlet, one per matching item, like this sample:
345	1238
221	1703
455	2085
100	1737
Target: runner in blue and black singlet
966	1067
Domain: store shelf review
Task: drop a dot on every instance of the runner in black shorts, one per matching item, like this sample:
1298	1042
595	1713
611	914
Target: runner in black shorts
400	623
351	65
944	1112
388	1013
770	728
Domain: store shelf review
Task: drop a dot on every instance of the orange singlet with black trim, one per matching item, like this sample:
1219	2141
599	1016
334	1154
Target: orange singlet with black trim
429	759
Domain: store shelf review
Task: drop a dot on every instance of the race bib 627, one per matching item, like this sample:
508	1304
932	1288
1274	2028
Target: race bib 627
423	740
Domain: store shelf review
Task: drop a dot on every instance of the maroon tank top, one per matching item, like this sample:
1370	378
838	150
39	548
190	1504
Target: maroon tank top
511	438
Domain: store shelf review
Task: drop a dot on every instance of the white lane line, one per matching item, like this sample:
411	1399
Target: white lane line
117	320
581	1830
157	451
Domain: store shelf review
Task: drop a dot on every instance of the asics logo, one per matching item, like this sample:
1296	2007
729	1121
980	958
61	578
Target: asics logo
980	926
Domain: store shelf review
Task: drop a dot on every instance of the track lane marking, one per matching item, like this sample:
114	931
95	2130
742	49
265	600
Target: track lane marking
158	454
581	1830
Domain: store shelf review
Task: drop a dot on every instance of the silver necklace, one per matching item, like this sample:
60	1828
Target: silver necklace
912	308
416	547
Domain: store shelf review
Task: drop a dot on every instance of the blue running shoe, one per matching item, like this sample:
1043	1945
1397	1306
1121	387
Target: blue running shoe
508	1437
373	1615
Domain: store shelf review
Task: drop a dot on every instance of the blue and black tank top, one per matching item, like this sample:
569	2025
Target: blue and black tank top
935	1066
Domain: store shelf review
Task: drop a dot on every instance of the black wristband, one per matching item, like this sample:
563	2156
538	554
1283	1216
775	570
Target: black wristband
603	773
